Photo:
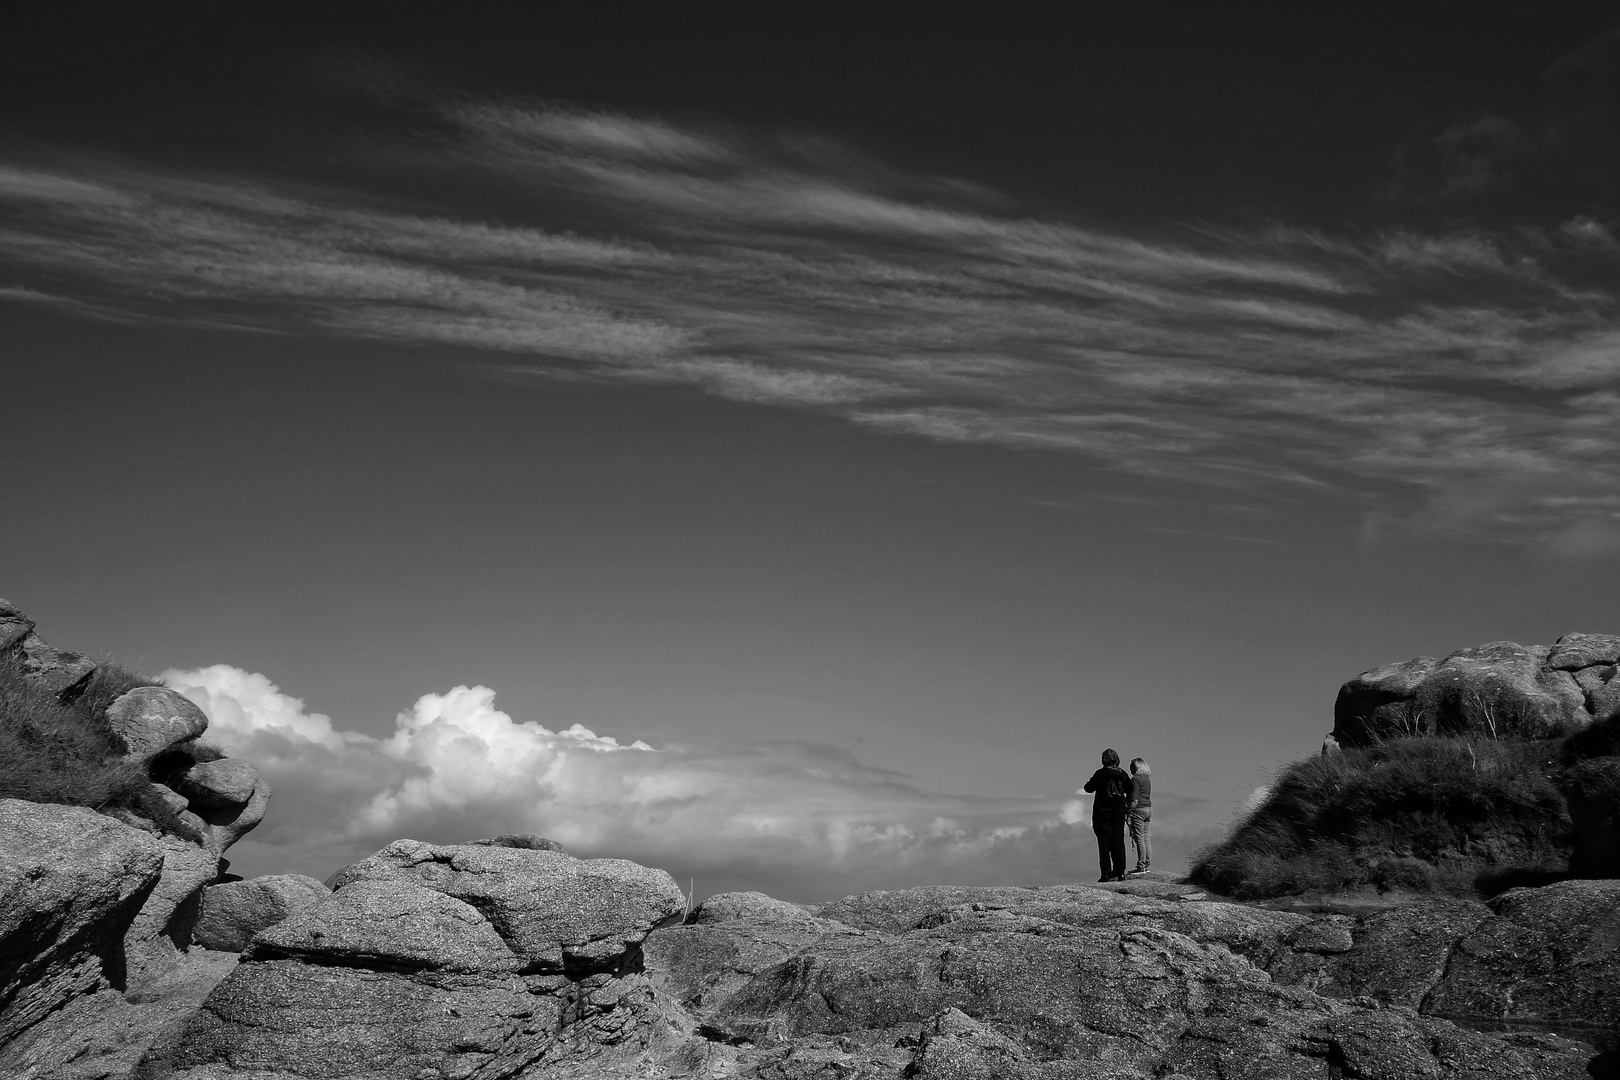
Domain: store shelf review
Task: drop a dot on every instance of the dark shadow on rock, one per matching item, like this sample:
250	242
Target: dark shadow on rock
1606	1066
1496	882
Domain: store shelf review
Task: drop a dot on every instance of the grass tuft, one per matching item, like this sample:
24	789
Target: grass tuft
52	752
1418	814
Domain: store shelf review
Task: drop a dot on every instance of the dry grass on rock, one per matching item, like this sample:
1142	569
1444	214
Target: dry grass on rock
1447	815
56	752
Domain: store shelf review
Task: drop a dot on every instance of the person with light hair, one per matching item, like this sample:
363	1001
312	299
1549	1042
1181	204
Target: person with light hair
1141	815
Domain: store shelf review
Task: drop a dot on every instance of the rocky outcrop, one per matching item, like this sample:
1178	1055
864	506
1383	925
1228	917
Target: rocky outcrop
236	910
101	954
194	792
1549	956
1080	981
71	883
467	960
731	906
1498	690
525	841
390	924
161	930
149	720
62	673
1065	981
1394	956
105	1034
555	911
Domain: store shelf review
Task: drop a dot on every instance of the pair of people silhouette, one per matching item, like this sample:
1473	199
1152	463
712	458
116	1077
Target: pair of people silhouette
1121	799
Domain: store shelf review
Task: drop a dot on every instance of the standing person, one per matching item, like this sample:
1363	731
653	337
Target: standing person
1112	786
1141	815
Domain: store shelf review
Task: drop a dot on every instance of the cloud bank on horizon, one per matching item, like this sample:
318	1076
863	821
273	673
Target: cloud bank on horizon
1464	380
800	817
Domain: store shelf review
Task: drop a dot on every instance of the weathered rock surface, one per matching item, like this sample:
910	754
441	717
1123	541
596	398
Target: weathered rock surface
726	907
163	926
1551	956
61	672
954	1046
996	993
14	625
285	1017
447	961
225	782
1500	689
95	964
104	1035
71	882
223	826
553	910
526	841
152	719
233	912
1395	957
390	924
957	982
1577	652
699	964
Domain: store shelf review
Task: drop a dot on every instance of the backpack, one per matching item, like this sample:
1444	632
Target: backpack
1116	789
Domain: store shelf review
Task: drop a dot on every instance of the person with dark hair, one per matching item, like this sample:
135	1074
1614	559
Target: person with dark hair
1112	788
1141	815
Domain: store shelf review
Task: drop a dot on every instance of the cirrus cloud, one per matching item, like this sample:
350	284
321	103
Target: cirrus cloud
1402	373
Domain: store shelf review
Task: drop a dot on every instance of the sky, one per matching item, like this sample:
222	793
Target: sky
788	447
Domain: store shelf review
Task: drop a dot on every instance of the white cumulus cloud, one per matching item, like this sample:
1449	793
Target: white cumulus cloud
802	819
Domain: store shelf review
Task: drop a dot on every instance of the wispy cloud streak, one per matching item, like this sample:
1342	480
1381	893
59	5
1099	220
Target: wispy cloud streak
1464	379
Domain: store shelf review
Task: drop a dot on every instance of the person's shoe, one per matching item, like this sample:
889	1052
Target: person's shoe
1138	870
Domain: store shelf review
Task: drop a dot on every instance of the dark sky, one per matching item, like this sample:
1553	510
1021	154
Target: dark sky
874	415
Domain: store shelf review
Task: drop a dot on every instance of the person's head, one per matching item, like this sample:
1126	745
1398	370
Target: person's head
1111	758
1139	765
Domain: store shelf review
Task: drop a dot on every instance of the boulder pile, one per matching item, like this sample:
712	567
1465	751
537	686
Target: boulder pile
466	960
97	910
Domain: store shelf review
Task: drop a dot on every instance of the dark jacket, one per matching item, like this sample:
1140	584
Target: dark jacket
1103	804
1141	790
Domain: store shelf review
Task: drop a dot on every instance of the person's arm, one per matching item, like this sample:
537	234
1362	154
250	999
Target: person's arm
1136	792
1091	785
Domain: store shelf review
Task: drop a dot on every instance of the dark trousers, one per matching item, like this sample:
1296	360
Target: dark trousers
1110	830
